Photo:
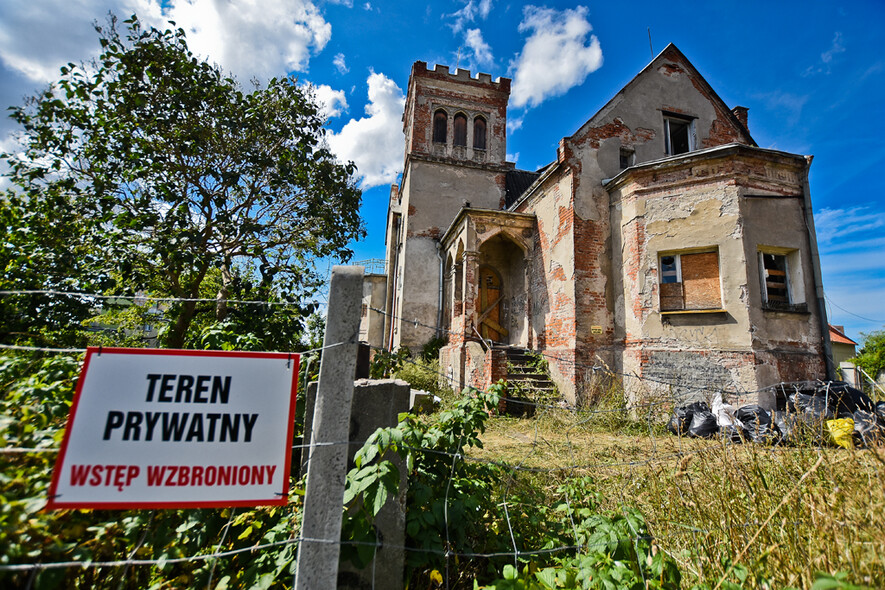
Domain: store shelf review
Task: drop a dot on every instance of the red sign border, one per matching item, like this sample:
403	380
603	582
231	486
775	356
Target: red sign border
283	499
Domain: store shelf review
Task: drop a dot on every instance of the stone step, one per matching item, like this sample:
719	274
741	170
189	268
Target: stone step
533	385
527	377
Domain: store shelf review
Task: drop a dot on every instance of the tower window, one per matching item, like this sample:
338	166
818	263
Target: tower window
479	133
460	129
678	135
440	124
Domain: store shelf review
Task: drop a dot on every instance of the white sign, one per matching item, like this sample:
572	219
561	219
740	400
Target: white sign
153	428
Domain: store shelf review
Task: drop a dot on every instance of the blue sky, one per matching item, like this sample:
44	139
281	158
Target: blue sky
812	74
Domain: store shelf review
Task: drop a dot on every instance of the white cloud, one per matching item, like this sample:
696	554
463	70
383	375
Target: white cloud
840	227
469	14
788	105
260	39
851	241
513	157
341	64
835	48
481	50
37	37
332	102
375	142
556	56
514	123
367	6
826	58
247	38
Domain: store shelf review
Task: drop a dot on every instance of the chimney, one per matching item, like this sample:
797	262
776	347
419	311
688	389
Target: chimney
741	114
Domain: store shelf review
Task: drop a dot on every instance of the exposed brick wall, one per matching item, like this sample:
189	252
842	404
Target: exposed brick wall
594	136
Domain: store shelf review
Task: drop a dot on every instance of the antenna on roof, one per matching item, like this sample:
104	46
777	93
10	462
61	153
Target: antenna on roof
650	50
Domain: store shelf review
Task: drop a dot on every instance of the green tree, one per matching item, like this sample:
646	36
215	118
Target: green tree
163	169
871	357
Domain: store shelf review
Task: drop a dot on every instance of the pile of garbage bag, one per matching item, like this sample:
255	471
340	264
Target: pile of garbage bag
807	411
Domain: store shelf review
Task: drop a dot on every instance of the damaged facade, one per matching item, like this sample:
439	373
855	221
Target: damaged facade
661	242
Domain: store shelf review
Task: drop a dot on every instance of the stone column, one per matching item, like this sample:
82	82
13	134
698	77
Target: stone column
471	275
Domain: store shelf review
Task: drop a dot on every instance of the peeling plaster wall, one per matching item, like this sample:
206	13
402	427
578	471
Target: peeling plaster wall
552	278
788	342
438	180
733	205
372	322
634	118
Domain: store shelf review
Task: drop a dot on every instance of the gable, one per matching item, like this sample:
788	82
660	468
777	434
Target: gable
667	89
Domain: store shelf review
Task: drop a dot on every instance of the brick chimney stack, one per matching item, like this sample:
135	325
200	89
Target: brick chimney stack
741	114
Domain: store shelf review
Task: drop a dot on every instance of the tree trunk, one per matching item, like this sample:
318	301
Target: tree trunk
223	293
182	323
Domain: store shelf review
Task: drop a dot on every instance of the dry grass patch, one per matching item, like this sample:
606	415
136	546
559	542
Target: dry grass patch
768	517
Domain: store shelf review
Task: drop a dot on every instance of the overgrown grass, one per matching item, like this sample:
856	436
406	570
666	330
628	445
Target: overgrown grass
732	516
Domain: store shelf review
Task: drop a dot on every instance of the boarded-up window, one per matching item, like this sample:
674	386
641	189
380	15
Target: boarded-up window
440	122
700	279
690	282
460	129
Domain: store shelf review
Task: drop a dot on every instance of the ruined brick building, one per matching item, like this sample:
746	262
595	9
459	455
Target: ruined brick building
661	241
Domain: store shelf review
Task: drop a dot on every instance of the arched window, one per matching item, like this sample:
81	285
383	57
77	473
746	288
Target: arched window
479	133
461	129
440	124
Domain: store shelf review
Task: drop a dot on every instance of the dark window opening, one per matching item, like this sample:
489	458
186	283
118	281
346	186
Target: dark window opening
678	136
440	124
776	287
627	158
479	133
460	129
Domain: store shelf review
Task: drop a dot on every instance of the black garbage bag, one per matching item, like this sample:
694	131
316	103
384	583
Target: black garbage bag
880	411
734	433
814	406
703	424
868	428
844	400
757	423
681	418
785	423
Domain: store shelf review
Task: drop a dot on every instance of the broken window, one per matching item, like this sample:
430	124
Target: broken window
678	135
479	133
440	124
781	276
690	282
627	158
776	284
461	129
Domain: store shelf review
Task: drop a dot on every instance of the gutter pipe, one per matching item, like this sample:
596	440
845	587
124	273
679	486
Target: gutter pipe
816	272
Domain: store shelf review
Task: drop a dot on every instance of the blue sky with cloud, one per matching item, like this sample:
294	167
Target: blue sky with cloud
812	74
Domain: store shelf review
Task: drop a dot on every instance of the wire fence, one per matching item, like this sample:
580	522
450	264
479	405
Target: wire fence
582	462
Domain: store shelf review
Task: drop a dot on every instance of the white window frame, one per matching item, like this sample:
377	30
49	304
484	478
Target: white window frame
794	281
692	139
678	260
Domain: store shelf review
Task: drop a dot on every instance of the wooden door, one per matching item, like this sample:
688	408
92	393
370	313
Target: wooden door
489	305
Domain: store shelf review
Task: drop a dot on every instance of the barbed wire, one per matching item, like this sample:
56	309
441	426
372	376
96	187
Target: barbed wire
82	350
582	417
215	555
148	298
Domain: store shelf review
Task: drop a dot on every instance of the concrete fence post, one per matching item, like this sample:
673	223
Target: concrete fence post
318	552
